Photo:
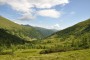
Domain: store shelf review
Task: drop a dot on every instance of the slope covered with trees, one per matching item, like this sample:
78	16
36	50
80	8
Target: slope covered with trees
12	33
45	32
18	30
15	34
7	39
72	38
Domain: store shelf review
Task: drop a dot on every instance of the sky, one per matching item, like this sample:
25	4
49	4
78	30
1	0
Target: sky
50	14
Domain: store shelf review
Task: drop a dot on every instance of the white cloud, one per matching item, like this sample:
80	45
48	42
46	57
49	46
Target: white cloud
18	5
56	26
27	16
49	13
47	3
25	6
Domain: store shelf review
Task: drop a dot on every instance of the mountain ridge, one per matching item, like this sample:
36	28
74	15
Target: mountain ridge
72	38
25	33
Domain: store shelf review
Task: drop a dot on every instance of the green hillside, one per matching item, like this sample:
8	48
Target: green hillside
18	30
15	34
23	40
7	39
45	32
72	38
76	30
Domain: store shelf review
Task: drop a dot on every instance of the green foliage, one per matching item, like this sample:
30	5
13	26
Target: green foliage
27	33
12	33
8	39
19	30
45	32
72	38
1	49
13	49
32	54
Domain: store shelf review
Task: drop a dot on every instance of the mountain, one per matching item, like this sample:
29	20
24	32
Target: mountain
45	32
18	30
76	30
71	38
12	33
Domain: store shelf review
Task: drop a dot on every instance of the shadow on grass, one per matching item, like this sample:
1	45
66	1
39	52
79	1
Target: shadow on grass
6	53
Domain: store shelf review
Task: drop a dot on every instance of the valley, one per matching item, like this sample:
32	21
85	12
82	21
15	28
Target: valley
23	42
44	29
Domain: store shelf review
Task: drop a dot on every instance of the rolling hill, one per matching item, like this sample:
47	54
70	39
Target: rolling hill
45	32
12	33
72	38
18	30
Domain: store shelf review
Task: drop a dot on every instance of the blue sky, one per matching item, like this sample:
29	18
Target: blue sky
52	14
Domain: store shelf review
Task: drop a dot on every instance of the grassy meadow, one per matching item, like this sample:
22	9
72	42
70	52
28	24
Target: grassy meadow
18	42
33	54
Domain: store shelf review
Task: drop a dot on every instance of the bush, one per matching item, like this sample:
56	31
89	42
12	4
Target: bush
52	50
1	50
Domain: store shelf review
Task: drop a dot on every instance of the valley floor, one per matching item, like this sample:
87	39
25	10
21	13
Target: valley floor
33	54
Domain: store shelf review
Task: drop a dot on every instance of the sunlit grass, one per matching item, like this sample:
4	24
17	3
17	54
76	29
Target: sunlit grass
33	54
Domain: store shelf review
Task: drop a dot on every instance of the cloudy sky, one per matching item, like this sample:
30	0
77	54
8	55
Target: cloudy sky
51	14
